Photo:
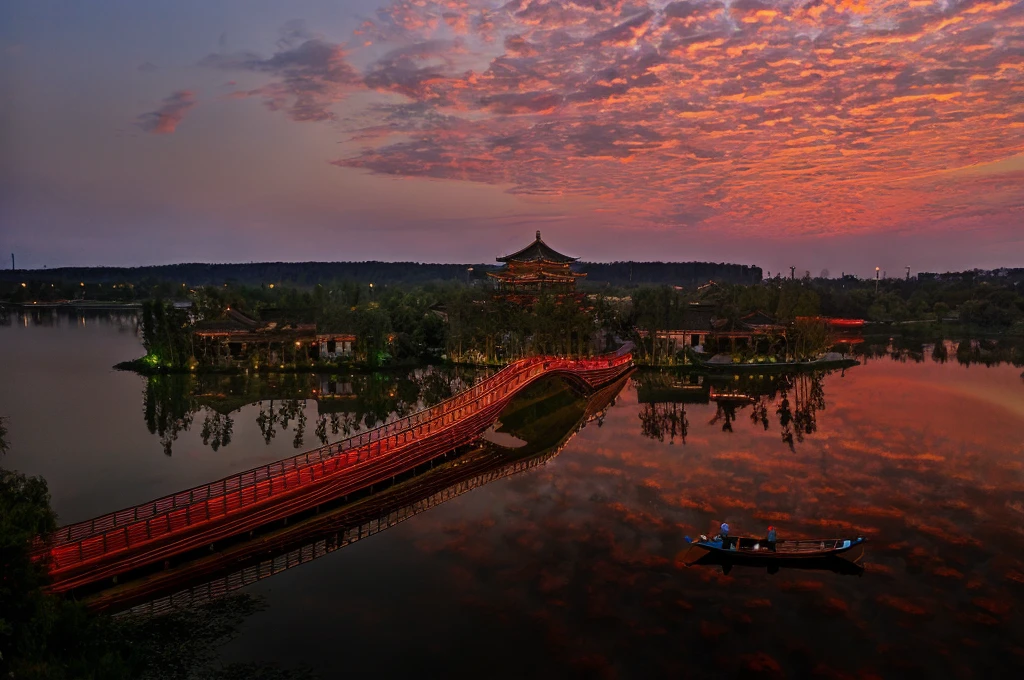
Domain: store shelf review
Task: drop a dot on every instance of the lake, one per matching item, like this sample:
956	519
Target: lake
553	547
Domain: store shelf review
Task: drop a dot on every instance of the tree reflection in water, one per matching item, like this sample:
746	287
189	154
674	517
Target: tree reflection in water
168	407
795	399
968	350
346	405
216	430
658	421
726	412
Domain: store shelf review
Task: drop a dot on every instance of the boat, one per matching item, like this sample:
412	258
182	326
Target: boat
744	550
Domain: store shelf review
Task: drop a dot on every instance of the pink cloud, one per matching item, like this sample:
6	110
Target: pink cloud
764	117
171	112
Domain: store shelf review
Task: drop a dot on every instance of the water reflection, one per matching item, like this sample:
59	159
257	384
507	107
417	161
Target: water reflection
540	421
834	564
124	321
792	400
573	565
348	404
345	403
966	351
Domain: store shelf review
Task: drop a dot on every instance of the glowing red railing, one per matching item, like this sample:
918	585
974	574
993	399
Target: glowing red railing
83	542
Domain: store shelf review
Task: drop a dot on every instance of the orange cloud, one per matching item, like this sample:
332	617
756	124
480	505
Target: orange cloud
760	117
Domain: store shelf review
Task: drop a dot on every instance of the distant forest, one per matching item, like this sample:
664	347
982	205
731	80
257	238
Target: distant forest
599	274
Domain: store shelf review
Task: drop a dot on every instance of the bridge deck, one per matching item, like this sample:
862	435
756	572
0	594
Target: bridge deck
101	547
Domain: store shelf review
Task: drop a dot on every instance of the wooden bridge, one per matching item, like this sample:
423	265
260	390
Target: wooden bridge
101	548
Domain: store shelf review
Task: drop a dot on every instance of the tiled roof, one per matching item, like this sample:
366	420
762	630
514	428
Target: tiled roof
537	251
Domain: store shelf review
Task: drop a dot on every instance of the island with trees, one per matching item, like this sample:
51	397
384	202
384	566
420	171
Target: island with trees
298	316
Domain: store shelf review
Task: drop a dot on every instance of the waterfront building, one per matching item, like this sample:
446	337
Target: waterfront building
698	324
278	337
335	345
703	332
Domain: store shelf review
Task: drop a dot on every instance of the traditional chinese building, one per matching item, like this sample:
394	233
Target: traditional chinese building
697	325
278	337
536	269
703	332
237	339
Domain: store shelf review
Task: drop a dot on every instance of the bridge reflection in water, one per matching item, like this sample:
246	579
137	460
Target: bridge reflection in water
547	417
134	538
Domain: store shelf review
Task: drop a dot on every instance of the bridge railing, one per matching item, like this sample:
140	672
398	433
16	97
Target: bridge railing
426	420
340	538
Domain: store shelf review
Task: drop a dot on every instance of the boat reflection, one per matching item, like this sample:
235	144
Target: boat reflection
204	575
848	565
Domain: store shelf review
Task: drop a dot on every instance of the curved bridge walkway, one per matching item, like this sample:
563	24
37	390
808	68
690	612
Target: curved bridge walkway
101	548
360	522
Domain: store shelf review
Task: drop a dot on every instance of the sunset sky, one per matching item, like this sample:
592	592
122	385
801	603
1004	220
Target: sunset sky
838	134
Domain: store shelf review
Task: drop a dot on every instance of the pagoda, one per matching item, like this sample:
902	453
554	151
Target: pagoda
536	269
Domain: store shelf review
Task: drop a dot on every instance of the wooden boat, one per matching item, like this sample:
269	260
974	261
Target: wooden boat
756	551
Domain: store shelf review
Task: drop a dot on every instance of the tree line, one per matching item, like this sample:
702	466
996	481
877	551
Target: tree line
308	274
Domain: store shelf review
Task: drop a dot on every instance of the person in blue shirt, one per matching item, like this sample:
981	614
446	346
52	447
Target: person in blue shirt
723	535
770	541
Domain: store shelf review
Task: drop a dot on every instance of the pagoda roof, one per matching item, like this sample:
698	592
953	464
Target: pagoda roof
537	251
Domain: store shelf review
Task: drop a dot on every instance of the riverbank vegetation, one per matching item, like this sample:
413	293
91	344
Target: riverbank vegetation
47	637
464	321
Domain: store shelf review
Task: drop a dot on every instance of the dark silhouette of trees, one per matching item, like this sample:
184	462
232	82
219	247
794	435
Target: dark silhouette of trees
48	636
166	335
4	445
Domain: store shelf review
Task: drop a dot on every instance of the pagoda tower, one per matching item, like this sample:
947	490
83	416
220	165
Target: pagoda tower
537	268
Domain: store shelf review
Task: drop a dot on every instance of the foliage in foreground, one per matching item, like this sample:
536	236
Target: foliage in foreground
43	636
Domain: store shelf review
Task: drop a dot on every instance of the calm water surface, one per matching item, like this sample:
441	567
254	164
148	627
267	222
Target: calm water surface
571	568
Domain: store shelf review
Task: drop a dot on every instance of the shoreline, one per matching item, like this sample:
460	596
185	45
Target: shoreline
140	367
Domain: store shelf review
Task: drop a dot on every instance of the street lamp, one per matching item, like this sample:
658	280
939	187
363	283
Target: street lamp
371	291
877	269
469	272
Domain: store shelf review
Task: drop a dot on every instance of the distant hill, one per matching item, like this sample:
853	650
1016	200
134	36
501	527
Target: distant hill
382	273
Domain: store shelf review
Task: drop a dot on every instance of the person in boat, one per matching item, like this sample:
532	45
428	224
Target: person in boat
723	535
770	541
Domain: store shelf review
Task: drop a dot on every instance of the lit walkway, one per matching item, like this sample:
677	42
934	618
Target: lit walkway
150	533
